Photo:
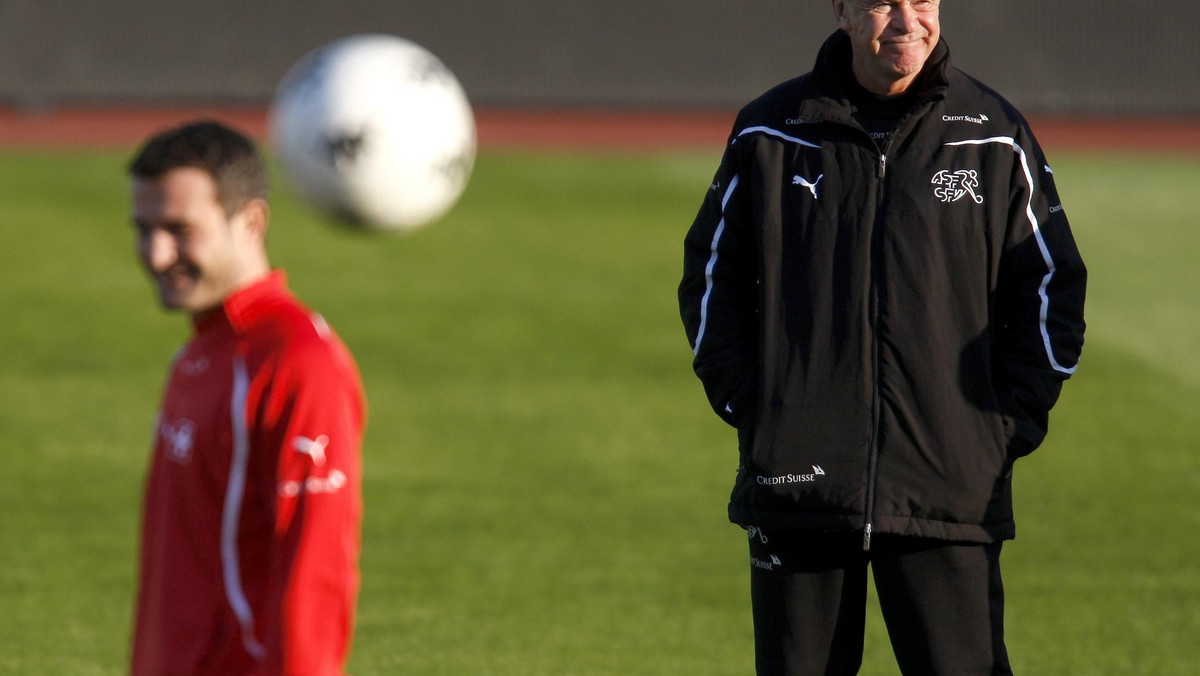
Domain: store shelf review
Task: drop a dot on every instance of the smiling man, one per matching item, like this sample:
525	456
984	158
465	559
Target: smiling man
883	297
250	531
891	41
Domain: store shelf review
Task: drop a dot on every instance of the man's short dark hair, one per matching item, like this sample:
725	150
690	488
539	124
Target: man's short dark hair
227	155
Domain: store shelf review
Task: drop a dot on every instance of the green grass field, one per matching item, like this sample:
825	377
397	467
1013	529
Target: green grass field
545	485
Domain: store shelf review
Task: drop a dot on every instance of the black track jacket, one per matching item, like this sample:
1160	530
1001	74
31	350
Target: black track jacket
886	327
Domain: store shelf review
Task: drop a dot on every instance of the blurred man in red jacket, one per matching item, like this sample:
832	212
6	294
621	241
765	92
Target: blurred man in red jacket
250	534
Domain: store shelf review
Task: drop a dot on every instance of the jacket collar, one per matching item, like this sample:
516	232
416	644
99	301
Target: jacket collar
241	307
832	79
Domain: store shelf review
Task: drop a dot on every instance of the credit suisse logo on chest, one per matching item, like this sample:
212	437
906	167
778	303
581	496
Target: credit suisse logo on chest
194	366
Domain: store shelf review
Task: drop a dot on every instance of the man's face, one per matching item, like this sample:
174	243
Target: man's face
891	40
195	253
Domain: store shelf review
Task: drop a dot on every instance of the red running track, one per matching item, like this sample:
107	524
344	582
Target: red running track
123	127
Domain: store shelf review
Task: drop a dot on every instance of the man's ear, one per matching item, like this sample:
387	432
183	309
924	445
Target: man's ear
839	11
256	214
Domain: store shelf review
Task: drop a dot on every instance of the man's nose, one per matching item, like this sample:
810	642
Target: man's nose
904	18
159	250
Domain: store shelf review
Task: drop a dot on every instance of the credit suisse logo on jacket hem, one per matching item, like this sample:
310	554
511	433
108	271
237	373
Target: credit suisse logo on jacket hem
791	478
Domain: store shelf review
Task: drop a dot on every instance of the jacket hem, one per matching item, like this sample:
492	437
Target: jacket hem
891	525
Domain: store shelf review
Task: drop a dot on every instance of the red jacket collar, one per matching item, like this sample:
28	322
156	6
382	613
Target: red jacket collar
240	307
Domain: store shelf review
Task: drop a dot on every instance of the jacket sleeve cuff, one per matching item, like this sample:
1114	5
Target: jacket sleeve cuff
1022	435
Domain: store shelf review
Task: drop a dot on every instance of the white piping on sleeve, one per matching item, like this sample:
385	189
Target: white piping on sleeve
774	132
712	263
231	515
1041	242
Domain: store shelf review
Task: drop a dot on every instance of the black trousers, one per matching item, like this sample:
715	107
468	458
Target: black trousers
942	602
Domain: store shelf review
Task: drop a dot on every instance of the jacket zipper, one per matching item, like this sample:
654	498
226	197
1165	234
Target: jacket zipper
876	405
873	449
876	276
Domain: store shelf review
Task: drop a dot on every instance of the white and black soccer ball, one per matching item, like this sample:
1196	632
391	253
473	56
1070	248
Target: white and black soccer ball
375	130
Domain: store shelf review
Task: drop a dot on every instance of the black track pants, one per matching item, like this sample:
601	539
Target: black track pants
943	603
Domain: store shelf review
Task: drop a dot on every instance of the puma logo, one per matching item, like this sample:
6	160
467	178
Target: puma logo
812	187
314	448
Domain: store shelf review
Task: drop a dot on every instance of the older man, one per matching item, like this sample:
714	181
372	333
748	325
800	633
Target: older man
884	297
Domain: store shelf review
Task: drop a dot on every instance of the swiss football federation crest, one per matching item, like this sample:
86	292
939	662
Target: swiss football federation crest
951	186
179	437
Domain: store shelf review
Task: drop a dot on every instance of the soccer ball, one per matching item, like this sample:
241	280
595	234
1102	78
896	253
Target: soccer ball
375	130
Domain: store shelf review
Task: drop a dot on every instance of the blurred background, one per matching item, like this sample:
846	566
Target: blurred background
1100	58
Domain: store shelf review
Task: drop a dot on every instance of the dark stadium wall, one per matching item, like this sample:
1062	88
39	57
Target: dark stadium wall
1066	57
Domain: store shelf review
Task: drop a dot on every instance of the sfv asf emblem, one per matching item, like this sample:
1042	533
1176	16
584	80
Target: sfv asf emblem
951	186
179	438
812	187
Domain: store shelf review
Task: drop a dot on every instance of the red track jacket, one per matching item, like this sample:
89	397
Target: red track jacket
250	534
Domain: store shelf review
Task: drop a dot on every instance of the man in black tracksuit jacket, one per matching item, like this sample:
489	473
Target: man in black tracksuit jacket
884	297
